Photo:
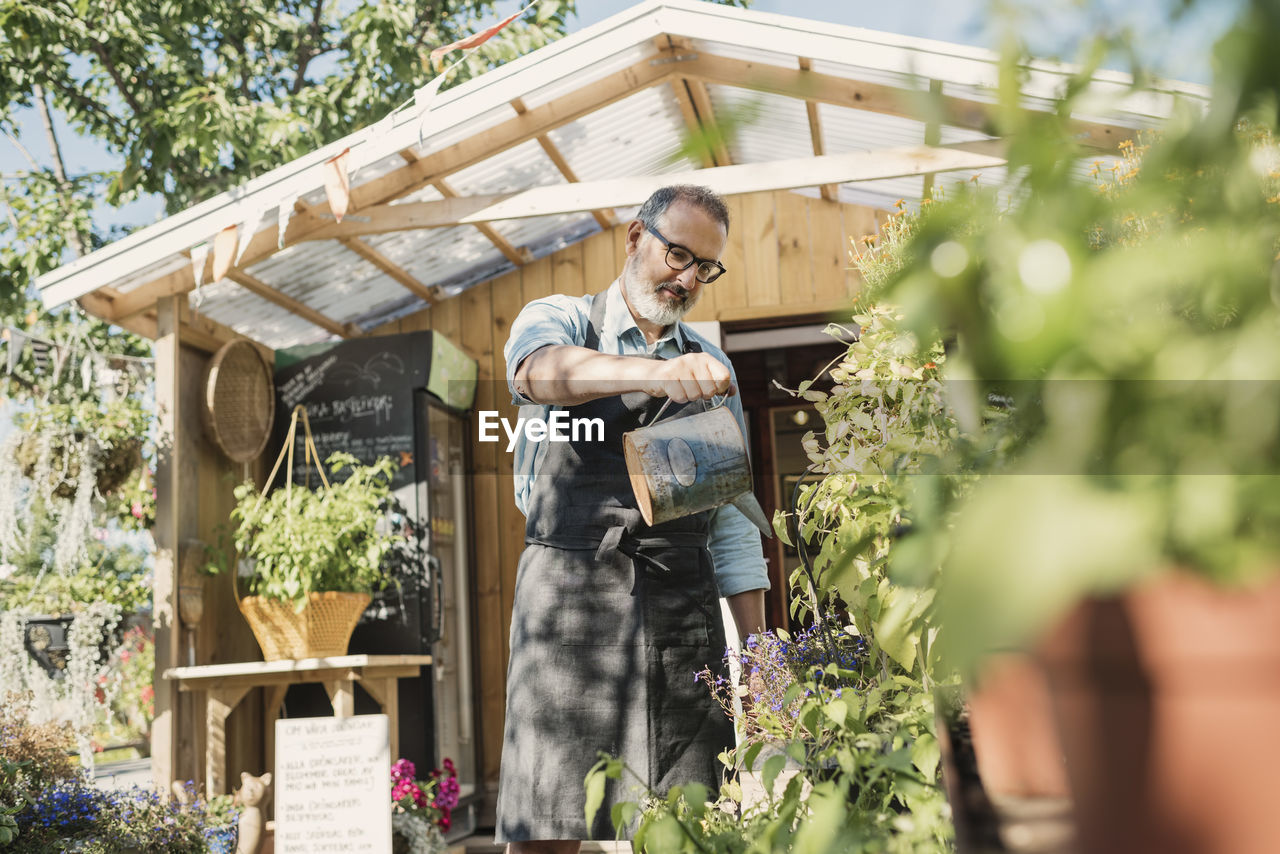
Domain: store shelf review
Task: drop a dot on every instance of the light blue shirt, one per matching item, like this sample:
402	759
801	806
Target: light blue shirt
734	541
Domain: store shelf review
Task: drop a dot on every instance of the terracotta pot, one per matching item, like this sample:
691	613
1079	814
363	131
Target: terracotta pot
1168	701
1015	741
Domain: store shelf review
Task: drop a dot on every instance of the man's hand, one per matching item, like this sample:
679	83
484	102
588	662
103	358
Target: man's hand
693	376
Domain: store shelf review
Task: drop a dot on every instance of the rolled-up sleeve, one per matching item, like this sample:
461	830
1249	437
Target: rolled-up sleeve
734	542
736	552
555	319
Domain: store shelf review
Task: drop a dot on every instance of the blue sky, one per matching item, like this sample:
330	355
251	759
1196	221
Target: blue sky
1181	51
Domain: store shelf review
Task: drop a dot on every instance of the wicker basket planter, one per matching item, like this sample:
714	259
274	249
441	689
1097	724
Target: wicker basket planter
322	629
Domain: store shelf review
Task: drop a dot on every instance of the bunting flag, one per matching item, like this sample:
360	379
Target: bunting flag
337	183
247	230
199	254
17	343
474	40
224	250
284	211
422	99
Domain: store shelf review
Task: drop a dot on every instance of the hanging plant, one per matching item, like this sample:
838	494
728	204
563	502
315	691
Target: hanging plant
80	442
82	698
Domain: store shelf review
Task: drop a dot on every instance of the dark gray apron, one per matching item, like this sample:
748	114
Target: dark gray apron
612	619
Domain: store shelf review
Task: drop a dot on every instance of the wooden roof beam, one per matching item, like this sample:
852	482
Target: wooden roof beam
395	271
606	219
709	130
932	136
623	192
306	312
695	104
875	97
830	192
424	171
519	257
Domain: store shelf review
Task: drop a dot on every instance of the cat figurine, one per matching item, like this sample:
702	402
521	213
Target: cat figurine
249	797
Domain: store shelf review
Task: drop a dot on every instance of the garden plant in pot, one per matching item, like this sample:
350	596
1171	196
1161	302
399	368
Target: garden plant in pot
1132	534
312	556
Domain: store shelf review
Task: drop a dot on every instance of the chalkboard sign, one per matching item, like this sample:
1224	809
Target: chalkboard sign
359	395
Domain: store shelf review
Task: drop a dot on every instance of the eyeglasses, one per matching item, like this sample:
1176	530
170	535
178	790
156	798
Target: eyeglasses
680	258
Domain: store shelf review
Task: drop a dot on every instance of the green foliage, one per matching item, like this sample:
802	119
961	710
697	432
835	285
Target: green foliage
854	727
301	541
117	574
1133	328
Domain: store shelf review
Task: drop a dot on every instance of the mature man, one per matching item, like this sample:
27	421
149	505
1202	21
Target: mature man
612	617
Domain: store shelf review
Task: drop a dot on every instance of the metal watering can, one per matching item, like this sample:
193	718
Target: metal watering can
690	463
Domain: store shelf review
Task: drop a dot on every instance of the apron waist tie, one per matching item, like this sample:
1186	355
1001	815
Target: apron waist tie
620	539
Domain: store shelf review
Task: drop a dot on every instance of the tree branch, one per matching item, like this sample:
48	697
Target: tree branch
308	47
101	50
25	153
59	169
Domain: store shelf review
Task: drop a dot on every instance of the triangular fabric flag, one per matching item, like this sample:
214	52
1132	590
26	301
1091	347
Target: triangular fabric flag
423	97
283	213
474	40
247	230
17	343
199	254
337	183
224	250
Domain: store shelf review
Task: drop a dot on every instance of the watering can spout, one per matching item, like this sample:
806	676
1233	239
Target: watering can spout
746	502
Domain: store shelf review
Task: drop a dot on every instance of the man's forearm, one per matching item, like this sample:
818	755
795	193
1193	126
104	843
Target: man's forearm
748	612
564	375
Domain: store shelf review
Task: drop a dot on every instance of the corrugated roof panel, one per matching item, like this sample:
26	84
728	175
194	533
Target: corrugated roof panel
438	254
615	62
538	233
845	129
251	315
639	135
882	193
328	277
424	194
519	168
774	127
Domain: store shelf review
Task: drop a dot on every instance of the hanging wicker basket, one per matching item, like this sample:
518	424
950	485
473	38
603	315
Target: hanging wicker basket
115	467
322	629
239	401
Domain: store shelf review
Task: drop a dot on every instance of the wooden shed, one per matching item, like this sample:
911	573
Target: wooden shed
464	205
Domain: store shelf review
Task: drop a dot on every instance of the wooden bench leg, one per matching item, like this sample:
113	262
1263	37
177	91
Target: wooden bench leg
221	702
342	694
386	693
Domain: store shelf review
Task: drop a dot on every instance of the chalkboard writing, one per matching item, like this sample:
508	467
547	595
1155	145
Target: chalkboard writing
332	789
359	398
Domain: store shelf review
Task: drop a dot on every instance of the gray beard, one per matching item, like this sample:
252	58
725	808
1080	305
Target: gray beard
646	302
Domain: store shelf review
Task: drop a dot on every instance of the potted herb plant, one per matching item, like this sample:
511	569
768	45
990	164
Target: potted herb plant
1132	534
312	557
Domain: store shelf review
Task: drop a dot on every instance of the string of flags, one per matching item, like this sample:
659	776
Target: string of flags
228	246
51	357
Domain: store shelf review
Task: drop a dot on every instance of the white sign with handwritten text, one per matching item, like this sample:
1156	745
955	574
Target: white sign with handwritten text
333	790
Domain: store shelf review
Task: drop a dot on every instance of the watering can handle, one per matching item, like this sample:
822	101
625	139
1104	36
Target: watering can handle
714	405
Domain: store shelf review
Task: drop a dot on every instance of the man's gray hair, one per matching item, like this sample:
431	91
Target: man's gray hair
692	194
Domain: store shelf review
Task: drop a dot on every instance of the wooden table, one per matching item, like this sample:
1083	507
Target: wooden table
225	685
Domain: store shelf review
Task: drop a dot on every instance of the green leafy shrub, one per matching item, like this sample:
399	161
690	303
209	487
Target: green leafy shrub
301	541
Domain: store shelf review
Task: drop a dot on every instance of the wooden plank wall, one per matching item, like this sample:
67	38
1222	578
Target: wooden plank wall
787	256
192	503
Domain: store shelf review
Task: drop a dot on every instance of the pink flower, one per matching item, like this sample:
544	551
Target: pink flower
402	770
136	509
